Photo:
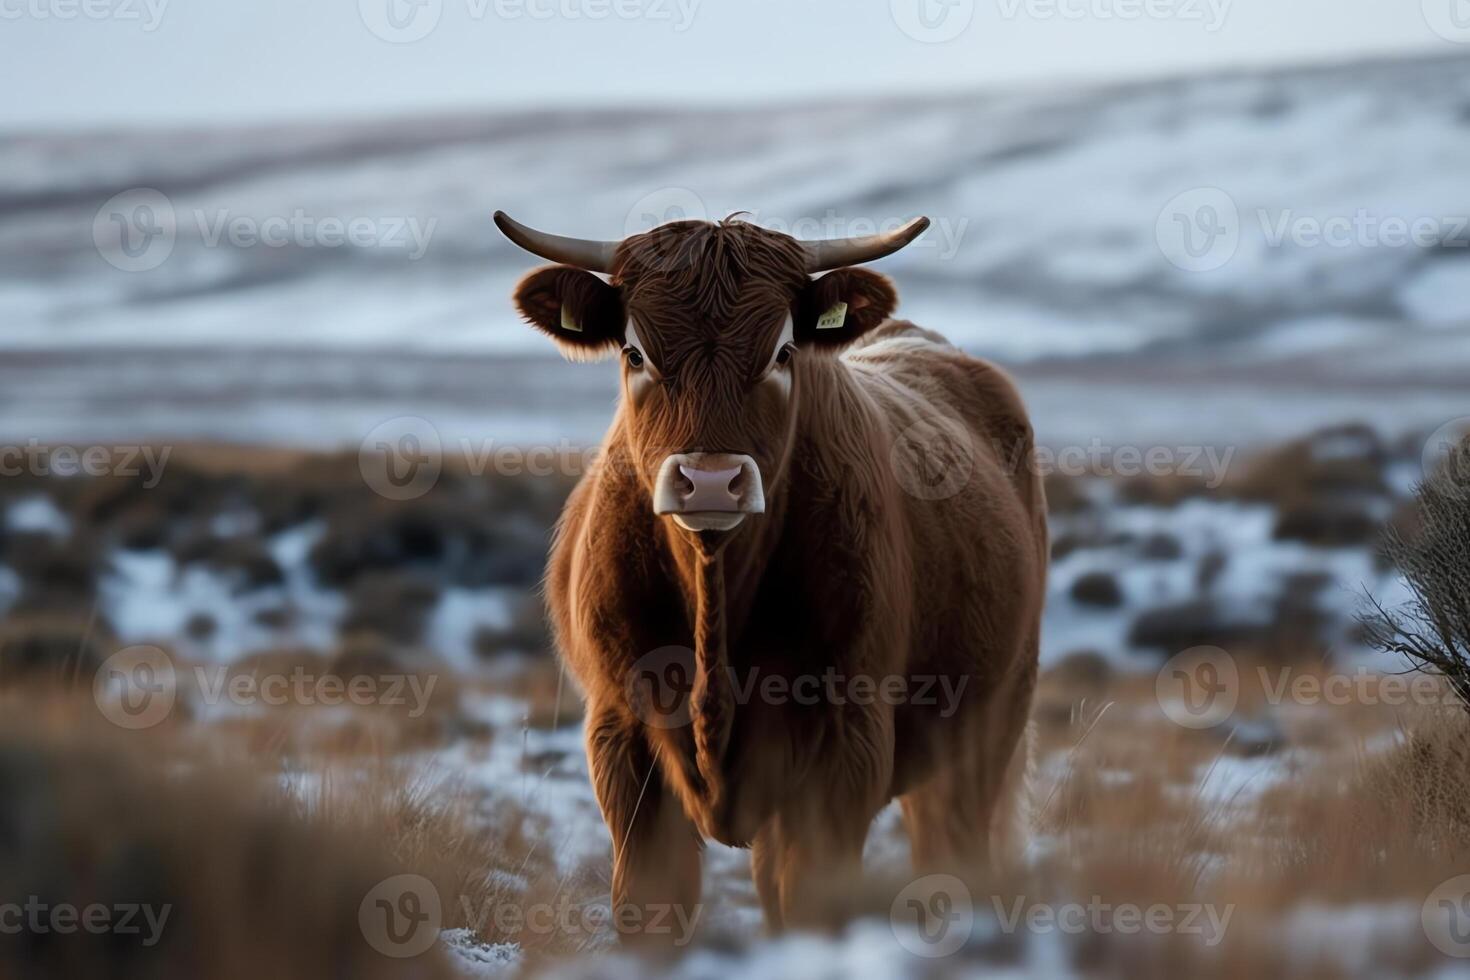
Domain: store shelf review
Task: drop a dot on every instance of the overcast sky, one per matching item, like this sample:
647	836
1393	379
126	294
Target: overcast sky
69	62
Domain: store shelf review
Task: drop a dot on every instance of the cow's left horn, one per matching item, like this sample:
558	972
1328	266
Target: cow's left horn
584	253
839	252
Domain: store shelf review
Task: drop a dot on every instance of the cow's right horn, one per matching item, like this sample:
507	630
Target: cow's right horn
584	253
839	252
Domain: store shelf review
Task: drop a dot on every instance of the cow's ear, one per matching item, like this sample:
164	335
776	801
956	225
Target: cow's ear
583	314
843	305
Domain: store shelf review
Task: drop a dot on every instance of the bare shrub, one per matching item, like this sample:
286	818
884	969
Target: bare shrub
1433	629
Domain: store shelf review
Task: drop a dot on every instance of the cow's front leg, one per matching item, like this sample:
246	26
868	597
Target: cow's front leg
819	835
656	849
818	867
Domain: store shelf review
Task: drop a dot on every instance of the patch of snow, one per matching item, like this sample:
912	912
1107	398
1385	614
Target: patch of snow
460	614
1439	296
1233	782
37	515
10	588
149	598
1349	935
476	961
1245	589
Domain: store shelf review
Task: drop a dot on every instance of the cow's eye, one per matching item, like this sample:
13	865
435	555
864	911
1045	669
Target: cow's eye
784	355
634	356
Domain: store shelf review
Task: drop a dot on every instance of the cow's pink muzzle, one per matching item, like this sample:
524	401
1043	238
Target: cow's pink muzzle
708	491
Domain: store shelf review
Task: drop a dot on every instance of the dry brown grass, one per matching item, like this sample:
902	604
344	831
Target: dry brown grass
261	838
249	891
1369	812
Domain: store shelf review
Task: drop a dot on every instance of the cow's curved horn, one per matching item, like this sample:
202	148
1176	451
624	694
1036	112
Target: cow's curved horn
839	252
594	256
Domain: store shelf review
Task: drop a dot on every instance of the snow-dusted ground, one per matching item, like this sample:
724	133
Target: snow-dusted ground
150	597
1256	568
554	790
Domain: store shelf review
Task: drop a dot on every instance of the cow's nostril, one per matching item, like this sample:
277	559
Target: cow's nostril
685	487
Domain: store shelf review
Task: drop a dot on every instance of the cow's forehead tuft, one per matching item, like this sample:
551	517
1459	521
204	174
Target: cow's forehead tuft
694	281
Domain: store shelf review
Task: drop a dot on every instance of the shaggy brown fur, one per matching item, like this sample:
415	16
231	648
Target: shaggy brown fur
847	575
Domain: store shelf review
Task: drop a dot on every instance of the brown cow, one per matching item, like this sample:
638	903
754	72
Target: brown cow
827	522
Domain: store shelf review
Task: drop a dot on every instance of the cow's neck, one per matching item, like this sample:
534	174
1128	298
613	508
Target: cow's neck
725	575
719	578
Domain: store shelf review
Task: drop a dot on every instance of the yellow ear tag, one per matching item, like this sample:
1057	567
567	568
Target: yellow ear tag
567	323
833	318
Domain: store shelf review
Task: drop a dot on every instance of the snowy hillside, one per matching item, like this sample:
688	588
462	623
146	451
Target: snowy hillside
1298	233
